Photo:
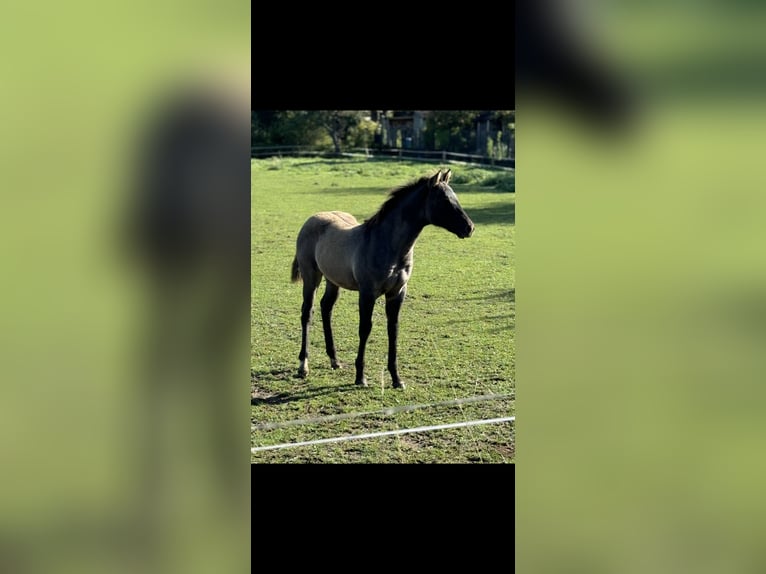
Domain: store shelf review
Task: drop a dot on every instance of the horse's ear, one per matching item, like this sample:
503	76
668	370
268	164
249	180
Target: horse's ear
447	175
436	179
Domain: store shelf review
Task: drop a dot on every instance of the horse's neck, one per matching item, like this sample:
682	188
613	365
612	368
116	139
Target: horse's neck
401	228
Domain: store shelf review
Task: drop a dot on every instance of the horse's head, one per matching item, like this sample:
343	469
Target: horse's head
443	209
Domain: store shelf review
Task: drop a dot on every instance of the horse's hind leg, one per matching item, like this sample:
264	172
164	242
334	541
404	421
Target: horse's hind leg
310	284
328	301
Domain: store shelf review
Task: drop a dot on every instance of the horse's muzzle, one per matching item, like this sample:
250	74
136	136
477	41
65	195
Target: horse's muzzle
468	231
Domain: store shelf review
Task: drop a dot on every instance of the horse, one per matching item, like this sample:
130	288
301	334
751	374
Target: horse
373	258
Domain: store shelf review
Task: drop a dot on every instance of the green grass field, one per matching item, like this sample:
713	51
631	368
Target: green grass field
456	330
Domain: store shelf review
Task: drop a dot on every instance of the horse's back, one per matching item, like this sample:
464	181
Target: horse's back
324	222
337	219
341	218
327	241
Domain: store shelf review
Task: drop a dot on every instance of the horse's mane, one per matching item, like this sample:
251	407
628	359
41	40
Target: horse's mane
395	197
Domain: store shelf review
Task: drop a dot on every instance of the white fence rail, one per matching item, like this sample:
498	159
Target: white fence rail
380	412
266	426
383	433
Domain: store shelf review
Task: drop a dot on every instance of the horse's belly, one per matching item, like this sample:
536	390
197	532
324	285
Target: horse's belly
334	254
340	277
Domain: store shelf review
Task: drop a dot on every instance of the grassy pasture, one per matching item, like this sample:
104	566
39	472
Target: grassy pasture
456	326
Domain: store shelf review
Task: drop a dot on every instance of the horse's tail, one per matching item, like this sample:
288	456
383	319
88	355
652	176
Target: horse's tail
295	274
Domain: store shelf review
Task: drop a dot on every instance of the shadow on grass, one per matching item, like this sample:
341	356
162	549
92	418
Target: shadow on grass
510	317
334	161
505	321
380	191
501	323
289	396
274	374
480	187
289	376
495	213
509	294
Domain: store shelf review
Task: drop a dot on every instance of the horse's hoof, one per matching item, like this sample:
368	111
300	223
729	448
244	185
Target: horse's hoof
400	385
303	369
336	365
361	383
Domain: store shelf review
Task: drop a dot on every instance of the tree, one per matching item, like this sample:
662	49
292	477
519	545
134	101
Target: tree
338	123
270	127
300	127
451	130
362	135
259	127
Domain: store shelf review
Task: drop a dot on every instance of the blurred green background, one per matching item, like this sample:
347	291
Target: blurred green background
83	81
642	303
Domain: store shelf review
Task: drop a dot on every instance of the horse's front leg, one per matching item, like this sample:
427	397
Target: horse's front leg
393	304
366	305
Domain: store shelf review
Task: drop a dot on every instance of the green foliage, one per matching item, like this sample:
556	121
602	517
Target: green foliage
486	178
319	128
451	130
456	131
501	183
505	117
260	127
287	128
497	148
337	124
361	134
